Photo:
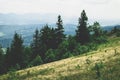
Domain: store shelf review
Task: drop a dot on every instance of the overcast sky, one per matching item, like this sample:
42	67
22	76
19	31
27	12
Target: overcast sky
95	9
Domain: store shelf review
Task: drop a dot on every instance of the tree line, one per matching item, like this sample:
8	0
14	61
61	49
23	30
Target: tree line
51	44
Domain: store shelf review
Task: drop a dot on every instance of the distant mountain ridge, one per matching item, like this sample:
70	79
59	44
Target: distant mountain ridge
109	28
27	31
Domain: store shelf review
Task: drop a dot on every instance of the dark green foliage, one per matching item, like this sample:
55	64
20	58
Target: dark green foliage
35	46
62	49
47	40
115	32
118	34
82	32
67	55
50	55
92	46
71	43
12	75
66	48
27	56
97	68
15	54
2	56
59	31
97	34
47	36
96	29
36	61
50	44
80	49
100	39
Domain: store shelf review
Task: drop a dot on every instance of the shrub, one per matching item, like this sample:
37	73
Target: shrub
118	34
50	55
100	39
67	54
97	68
36	61
80	49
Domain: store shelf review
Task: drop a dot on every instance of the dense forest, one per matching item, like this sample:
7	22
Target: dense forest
51	44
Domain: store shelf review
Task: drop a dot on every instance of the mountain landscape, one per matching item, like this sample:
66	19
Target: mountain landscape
59	40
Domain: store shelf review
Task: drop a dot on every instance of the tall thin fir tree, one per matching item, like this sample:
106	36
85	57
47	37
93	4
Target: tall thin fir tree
59	31
82	32
35	45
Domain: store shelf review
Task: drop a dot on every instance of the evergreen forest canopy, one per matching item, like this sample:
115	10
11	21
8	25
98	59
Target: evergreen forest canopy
51	44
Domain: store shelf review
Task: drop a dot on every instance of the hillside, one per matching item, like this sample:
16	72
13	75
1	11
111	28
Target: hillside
102	64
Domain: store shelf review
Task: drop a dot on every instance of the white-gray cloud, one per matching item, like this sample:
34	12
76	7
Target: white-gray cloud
96	9
96	2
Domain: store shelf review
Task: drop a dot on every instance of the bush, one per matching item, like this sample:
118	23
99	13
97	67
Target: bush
80	49
66	48
71	43
118	34
67	55
27	56
62	49
37	61
12	76
97	68
50	55
92	46
100	39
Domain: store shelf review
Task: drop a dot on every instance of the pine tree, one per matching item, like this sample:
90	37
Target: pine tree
59	31
82	33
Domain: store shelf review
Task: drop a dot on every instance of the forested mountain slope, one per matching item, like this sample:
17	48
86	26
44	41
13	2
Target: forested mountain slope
102	64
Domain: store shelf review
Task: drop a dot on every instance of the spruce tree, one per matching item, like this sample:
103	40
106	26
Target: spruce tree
59	31
15	53
35	46
42	41
46	39
82	33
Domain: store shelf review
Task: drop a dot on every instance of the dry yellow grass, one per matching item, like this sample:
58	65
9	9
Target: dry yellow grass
74	68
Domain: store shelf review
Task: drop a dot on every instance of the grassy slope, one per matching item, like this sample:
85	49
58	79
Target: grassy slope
82	67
